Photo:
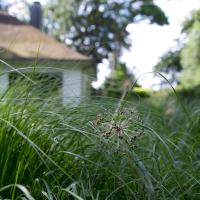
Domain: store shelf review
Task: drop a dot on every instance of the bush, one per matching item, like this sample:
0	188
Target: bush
140	92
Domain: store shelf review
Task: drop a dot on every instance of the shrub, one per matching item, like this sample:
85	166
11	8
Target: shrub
140	92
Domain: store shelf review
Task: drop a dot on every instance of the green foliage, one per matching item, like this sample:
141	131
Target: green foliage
121	82
186	59
189	93
170	61
57	17
190	21
141	92
118	81
190	57
101	149
190	52
99	26
121	74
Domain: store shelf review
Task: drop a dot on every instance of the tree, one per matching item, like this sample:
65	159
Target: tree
99	26
190	57
120	80
190	53
170	63
188	24
57	17
56	14
187	58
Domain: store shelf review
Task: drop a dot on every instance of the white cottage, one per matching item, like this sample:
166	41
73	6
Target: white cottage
21	45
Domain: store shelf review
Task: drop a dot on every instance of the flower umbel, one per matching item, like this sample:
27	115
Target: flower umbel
125	126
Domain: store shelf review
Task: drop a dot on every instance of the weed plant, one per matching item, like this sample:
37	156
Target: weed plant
103	148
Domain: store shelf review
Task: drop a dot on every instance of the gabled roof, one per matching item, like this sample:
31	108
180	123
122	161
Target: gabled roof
24	41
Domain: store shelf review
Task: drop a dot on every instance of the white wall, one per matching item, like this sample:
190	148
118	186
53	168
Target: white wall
72	85
4	82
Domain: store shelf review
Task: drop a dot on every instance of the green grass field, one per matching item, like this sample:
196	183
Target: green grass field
100	149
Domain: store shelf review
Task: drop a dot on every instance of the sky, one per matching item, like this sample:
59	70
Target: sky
149	42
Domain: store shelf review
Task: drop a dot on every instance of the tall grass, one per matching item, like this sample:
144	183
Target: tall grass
98	149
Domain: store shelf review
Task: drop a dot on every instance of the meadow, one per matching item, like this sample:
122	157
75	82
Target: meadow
103	148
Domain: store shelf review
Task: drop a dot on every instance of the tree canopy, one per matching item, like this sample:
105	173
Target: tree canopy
170	61
98	27
190	53
190	56
189	22
57	17
187	57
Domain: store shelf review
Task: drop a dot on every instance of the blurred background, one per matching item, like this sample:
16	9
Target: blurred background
133	38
